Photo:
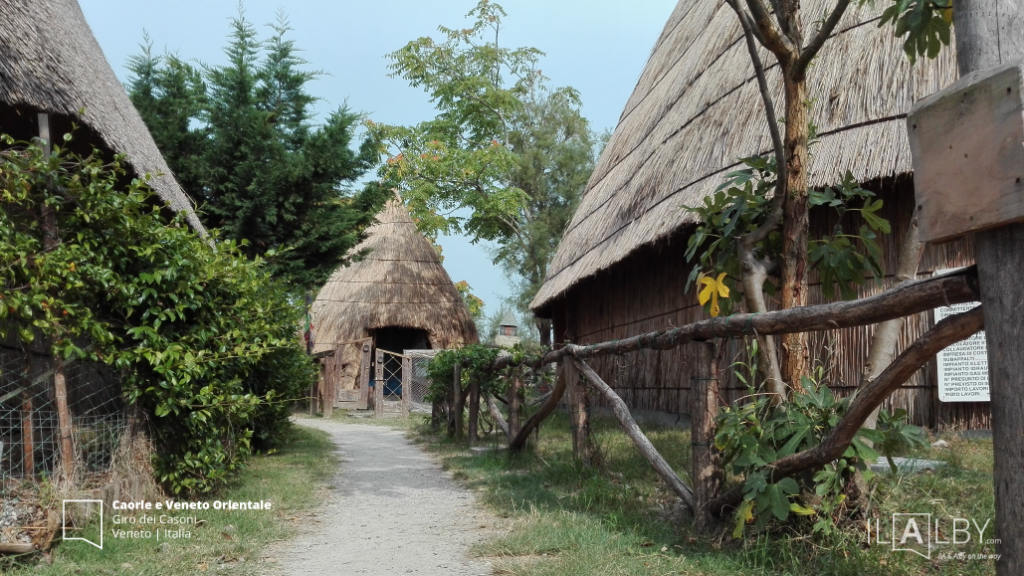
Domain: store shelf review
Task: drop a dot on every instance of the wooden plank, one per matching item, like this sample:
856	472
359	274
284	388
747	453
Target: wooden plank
364	376
967	153
378	388
348	396
406	386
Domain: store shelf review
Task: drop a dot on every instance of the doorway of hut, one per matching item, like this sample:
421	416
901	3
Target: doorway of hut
395	339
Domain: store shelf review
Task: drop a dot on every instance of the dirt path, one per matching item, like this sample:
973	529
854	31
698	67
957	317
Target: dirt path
393	511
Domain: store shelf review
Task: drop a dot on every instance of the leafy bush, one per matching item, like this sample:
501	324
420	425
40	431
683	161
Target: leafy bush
204	339
753	434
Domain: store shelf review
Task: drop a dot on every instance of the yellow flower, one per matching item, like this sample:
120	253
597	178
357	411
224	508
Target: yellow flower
712	290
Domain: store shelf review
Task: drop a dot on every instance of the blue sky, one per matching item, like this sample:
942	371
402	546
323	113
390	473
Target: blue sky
598	47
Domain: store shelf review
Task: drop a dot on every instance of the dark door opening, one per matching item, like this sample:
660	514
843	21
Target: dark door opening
397	339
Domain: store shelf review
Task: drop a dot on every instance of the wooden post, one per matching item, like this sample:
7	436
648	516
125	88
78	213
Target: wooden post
406	386
583	448
364	376
515	407
455	418
706	462
378	387
67	451
661	466
474	410
328	383
27	438
989	33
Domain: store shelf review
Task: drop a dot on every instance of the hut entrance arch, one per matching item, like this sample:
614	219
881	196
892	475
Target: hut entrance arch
395	339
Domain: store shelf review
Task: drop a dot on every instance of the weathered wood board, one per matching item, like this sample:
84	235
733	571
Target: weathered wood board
967	143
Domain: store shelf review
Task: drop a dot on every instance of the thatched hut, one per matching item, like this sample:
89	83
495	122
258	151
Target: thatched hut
399	295
620	268
51	63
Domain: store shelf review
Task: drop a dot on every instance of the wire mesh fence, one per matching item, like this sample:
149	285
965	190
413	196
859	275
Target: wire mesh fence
417	380
30	423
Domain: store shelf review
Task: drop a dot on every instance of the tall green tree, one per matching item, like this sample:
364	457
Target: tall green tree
506	157
241	139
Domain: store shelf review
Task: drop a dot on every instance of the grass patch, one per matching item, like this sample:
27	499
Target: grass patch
292	478
624	521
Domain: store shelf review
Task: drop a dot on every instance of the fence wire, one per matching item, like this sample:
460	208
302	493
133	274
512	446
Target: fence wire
418	382
30	424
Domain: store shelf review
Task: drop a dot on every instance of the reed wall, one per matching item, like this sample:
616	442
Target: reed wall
647	292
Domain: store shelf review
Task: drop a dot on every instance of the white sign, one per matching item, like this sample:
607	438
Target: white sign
963	367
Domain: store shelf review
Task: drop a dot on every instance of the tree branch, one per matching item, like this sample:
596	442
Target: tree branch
904	300
775	212
633	431
947	332
770	34
519	442
811	50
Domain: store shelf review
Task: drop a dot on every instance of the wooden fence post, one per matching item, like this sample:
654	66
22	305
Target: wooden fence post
983	124
474	410
378	387
406	386
364	375
707	466
67	451
455	406
583	448
515	407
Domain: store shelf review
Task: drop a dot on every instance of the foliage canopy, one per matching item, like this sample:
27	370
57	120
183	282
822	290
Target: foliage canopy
240	139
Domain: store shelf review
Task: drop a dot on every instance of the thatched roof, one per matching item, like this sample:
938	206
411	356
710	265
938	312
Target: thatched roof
50	62
696	110
401	283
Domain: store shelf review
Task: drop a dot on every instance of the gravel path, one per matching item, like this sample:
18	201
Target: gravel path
393	511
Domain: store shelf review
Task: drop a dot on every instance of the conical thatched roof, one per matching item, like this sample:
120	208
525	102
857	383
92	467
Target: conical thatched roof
696	110
400	283
50	62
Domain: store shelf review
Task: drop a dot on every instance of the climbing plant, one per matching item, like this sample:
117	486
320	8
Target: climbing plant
203	339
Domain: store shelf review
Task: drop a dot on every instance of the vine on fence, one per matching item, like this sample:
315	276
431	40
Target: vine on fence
478	361
203	338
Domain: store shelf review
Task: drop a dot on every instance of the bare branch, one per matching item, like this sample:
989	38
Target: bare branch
775	212
811	50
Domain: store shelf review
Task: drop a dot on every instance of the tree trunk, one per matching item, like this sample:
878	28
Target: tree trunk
882	349
754	276
989	33
795	222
